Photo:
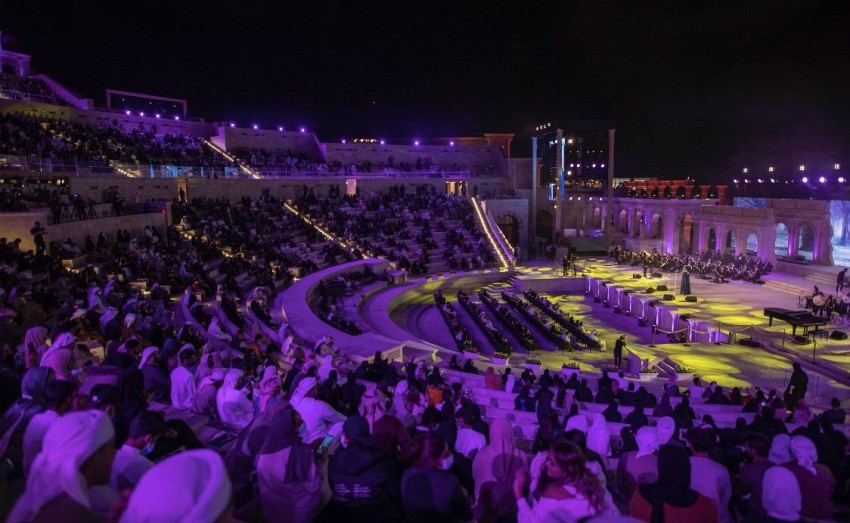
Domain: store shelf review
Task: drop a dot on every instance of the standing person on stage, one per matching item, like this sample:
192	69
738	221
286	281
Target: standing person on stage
38	233
840	283
566	263
797	386
619	345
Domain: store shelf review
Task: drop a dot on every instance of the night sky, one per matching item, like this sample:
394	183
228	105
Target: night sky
694	89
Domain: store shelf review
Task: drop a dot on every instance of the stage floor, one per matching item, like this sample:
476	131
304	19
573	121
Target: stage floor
735	306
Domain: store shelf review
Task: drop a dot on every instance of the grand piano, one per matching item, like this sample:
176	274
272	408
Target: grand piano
796	318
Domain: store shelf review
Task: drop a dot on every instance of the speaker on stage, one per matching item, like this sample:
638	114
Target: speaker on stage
802	340
636	276
650	290
661	288
668	297
656	274
691	299
838	335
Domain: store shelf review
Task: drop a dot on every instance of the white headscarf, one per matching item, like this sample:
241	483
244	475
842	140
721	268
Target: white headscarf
304	386
781	494
68	443
148	352
805	453
234	409
187	487
325	368
647	441
780	450
578	422
598	437
665	429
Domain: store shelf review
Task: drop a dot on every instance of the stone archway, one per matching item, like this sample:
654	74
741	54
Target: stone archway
686	238
656	226
806	242
545	225
780	246
510	226
752	244
624	221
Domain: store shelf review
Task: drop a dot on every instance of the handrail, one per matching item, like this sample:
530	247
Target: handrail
502	252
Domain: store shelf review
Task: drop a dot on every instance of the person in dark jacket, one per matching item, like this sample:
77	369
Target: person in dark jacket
15	421
364	480
636	418
524	401
797	386
430	492
612	415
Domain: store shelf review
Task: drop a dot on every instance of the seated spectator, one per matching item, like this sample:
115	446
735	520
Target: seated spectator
57	401
671	499
77	454
491	380
612	414
469	441
205	396
782	497
524	402
562	488
320	418
183	381
835	414
234	409
636	418
288	477
131	462
749	482
708	477
190	486
816	481
493	470
429	491
364	480
639	467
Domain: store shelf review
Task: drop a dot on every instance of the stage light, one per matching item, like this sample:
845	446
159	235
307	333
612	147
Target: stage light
343	140
570	141
383	142
177	118
745	170
255	127
836	166
416	142
303	130
770	169
232	125
452	143
805	179
802	168
158	115
772	180
594	166
127	113
822	179
761	181
141	114
280	128
841	179
603	165
746	181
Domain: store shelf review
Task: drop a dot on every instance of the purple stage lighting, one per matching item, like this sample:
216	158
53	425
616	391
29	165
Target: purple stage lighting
177	118
303	130
841	179
805	179
416	142
280	129
158	115
255	127
822	179
141	114
127	113
452	143
232	125
383	142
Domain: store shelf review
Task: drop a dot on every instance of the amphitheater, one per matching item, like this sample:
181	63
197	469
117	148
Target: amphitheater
385	227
